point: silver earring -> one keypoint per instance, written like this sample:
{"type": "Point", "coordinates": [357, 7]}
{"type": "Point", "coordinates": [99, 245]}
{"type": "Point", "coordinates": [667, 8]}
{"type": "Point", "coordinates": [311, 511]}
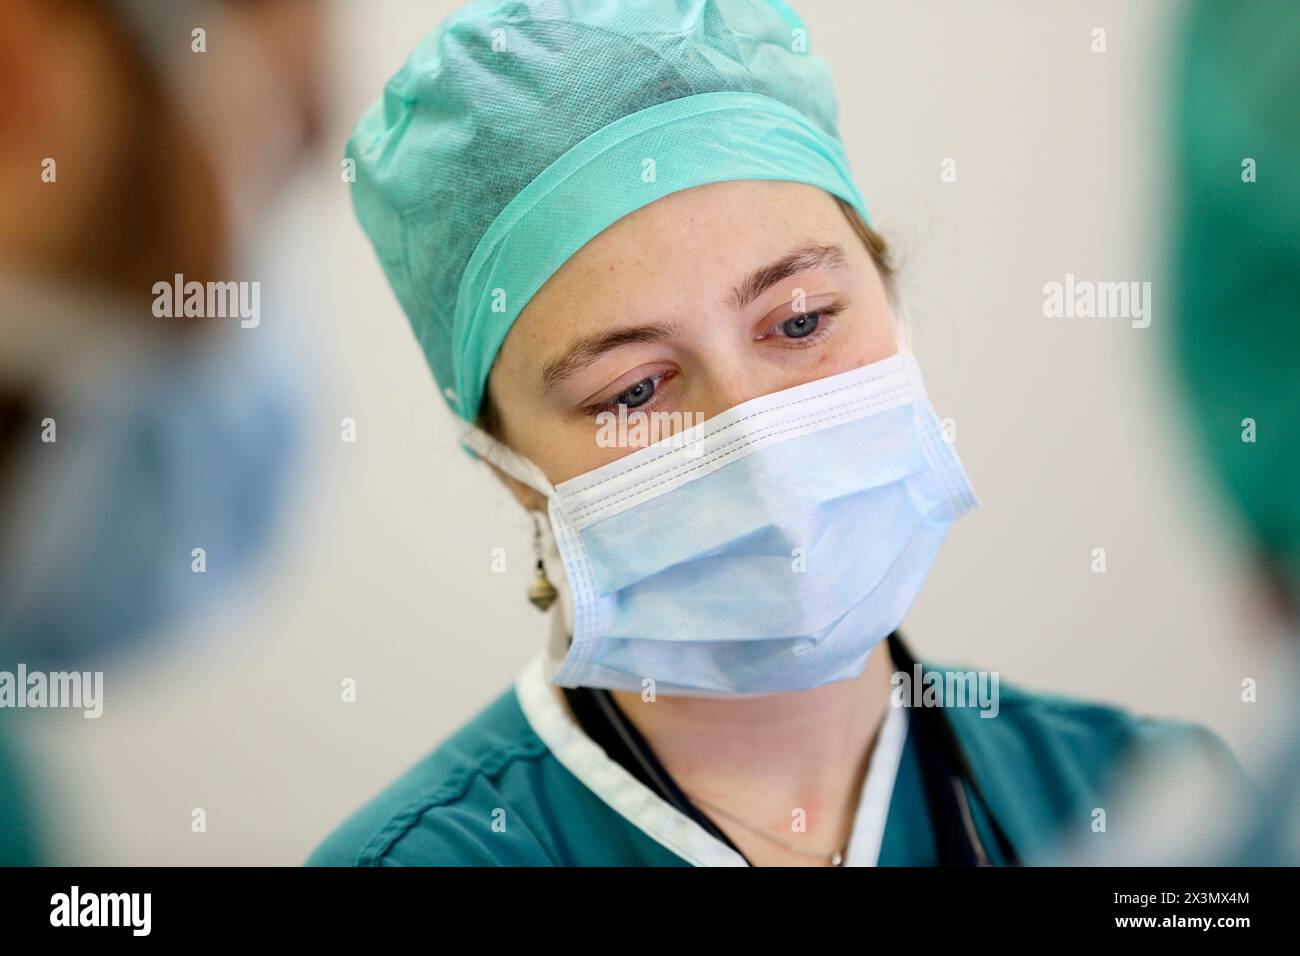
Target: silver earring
{"type": "Point", "coordinates": [541, 593]}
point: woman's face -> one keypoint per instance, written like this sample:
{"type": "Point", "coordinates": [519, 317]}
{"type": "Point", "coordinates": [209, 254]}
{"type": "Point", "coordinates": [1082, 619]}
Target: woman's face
{"type": "Point", "coordinates": [702, 300]}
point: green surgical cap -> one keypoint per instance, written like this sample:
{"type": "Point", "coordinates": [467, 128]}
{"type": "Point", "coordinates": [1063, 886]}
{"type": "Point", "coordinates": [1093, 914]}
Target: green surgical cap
{"type": "Point", "coordinates": [518, 131]}
{"type": "Point", "coordinates": [1236, 265]}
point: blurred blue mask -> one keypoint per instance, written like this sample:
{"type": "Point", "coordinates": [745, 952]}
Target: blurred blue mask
{"type": "Point", "coordinates": [159, 487]}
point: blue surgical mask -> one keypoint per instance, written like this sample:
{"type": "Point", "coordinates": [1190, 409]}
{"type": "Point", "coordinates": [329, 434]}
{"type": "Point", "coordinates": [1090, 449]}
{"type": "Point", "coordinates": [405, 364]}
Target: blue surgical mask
{"type": "Point", "coordinates": [169, 466]}
{"type": "Point", "coordinates": [769, 549]}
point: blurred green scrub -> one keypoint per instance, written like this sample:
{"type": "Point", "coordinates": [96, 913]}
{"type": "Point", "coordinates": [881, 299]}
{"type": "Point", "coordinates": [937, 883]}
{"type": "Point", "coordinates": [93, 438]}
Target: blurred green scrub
{"type": "Point", "coordinates": [1236, 335]}
{"type": "Point", "coordinates": [19, 842]}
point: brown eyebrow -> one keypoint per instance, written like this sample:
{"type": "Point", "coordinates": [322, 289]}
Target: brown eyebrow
{"type": "Point", "coordinates": [591, 347]}
{"type": "Point", "coordinates": [587, 349]}
{"type": "Point", "coordinates": [811, 256]}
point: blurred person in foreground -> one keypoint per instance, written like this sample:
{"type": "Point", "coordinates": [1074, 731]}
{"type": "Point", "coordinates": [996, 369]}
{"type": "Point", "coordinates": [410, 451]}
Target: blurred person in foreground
{"type": "Point", "coordinates": [145, 436]}
{"type": "Point", "coordinates": [1234, 345]}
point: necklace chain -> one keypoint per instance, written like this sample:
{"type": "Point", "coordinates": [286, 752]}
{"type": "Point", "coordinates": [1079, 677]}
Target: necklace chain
{"type": "Point", "coordinates": [835, 859]}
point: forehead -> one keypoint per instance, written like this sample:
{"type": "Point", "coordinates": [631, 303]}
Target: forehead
{"type": "Point", "coordinates": [692, 245]}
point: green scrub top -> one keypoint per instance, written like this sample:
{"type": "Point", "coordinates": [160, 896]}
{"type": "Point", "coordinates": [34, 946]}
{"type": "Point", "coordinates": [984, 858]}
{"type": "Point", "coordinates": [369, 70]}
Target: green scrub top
{"type": "Point", "coordinates": [497, 794]}
{"type": "Point", "coordinates": [19, 825]}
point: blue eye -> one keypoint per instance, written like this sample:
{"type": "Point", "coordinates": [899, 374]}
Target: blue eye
{"type": "Point", "coordinates": [801, 325]}
{"type": "Point", "coordinates": [638, 394]}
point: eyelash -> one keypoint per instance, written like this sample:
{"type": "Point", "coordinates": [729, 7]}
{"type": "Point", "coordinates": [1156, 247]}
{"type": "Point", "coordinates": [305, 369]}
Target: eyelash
{"type": "Point", "coordinates": [807, 341]}
{"type": "Point", "coordinates": [613, 404]}
{"type": "Point", "coordinates": [822, 330]}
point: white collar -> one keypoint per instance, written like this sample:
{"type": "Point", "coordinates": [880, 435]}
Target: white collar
{"type": "Point", "coordinates": [545, 710]}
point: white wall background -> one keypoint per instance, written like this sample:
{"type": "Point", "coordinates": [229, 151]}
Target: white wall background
{"type": "Point", "coordinates": [1064, 427]}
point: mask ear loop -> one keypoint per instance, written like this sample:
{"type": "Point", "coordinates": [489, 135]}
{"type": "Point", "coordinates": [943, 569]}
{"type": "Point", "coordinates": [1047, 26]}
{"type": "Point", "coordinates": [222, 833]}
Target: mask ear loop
{"type": "Point", "coordinates": [483, 445]}
{"type": "Point", "coordinates": [511, 462]}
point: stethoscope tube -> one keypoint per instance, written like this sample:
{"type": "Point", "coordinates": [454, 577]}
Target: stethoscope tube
{"type": "Point", "coordinates": [945, 776]}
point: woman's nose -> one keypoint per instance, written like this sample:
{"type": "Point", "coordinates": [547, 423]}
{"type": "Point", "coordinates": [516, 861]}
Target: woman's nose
{"type": "Point", "coordinates": [732, 385]}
